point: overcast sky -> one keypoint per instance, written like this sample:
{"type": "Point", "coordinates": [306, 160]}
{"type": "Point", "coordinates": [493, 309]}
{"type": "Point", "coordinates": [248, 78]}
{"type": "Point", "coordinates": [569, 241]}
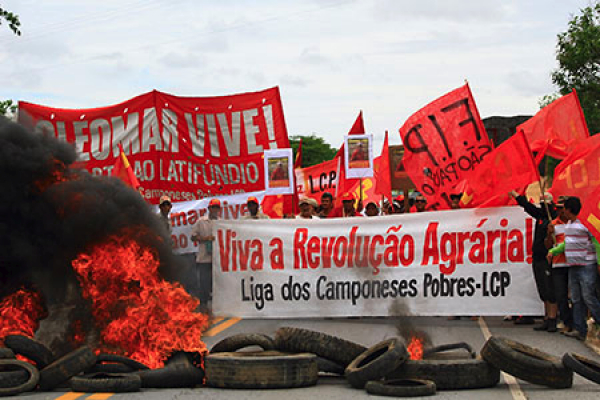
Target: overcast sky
{"type": "Point", "coordinates": [330, 58]}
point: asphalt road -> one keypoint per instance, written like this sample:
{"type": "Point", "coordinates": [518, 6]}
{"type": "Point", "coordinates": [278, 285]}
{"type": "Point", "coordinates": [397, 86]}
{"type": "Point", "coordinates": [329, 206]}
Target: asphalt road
{"type": "Point", "coordinates": [369, 331]}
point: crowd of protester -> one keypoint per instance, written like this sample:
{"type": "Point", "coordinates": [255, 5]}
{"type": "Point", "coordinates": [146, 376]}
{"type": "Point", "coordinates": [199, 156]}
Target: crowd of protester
{"type": "Point", "coordinates": [565, 266]}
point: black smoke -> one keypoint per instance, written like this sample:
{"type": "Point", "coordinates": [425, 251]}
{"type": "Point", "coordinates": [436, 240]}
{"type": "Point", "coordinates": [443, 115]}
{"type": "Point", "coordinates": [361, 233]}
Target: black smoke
{"type": "Point", "coordinates": [50, 212]}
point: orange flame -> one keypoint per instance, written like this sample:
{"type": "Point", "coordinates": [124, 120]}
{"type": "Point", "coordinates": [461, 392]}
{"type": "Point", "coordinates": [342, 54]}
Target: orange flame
{"type": "Point", "coordinates": [415, 348]}
{"type": "Point", "coordinates": [57, 174]}
{"type": "Point", "coordinates": [140, 314]}
{"type": "Point", "coordinates": [20, 313]}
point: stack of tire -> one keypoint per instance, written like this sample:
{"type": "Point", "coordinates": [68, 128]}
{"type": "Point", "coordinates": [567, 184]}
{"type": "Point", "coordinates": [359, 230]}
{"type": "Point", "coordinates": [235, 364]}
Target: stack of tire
{"type": "Point", "coordinates": [535, 366]}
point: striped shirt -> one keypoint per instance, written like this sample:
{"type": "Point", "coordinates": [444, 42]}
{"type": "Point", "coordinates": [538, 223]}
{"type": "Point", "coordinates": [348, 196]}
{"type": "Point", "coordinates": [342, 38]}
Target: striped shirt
{"type": "Point", "coordinates": [579, 248]}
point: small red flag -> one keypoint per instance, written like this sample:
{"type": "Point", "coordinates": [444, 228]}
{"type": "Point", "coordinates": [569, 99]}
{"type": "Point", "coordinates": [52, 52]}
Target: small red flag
{"type": "Point", "coordinates": [507, 167]}
{"type": "Point", "coordinates": [556, 128]}
{"type": "Point", "coordinates": [122, 170]}
{"type": "Point", "coordinates": [383, 183]}
{"type": "Point", "coordinates": [298, 160]}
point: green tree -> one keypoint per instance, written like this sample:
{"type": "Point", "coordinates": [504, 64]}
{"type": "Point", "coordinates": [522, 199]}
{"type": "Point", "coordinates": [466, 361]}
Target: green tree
{"type": "Point", "coordinates": [7, 107]}
{"type": "Point", "coordinates": [314, 149]}
{"type": "Point", "coordinates": [578, 56]}
{"type": "Point", "coordinates": [12, 19]}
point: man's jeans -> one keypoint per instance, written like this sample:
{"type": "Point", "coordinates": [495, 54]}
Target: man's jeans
{"type": "Point", "coordinates": [582, 282]}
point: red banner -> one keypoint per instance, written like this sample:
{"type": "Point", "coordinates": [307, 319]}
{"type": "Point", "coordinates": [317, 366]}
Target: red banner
{"type": "Point", "coordinates": [508, 167]}
{"type": "Point", "coordinates": [443, 142]}
{"type": "Point", "coordinates": [579, 173]}
{"type": "Point", "coordinates": [556, 128]}
{"type": "Point", "coordinates": [184, 147]}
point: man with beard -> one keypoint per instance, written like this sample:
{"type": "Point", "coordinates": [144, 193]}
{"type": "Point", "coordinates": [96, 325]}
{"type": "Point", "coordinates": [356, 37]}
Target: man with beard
{"type": "Point", "coordinates": [326, 205]}
{"type": "Point", "coordinates": [347, 209]}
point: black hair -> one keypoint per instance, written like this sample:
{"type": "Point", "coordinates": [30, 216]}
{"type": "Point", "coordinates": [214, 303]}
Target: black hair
{"type": "Point", "coordinates": [327, 195]}
{"type": "Point", "coordinates": [573, 204]}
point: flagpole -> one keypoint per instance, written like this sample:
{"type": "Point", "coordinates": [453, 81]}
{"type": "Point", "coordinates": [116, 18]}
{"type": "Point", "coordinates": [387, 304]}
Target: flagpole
{"type": "Point", "coordinates": [361, 190]}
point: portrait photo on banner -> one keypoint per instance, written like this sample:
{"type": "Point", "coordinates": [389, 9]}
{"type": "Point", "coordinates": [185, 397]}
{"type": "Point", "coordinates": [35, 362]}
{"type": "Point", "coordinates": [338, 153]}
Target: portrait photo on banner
{"type": "Point", "coordinates": [358, 153]}
{"type": "Point", "coordinates": [279, 171]}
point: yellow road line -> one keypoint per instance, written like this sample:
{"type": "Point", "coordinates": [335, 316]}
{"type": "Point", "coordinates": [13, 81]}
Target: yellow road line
{"type": "Point", "coordinates": [100, 396]}
{"type": "Point", "coordinates": [221, 327]}
{"type": "Point", "coordinates": [513, 385]}
{"type": "Point", "coordinates": [70, 396]}
{"type": "Point", "coordinates": [216, 321]}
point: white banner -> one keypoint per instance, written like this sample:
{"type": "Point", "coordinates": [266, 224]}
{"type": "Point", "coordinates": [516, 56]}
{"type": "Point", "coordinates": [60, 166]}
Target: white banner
{"type": "Point", "coordinates": [459, 262]}
{"type": "Point", "coordinates": [185, 214]}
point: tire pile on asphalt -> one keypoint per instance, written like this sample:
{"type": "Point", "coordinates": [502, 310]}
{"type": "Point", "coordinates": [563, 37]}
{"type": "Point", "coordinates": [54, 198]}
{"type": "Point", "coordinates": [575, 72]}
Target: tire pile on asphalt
{"type": "Point", "coordinates": [294, 358]}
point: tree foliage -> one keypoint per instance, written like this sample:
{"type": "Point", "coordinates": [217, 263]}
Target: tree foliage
{"type": "Point", "coordinates": [12, 19]}
{"type": "Point", "coordinates": [7, 107]}
{"type": "Point", "coordinates": [314, 149]}
{"type": "Point", "coordinates": [578, 56]}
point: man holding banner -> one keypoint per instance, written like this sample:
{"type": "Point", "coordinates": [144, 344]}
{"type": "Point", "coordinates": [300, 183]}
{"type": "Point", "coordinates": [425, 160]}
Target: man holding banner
{"type": "Point", "coordinates": [203, 233]}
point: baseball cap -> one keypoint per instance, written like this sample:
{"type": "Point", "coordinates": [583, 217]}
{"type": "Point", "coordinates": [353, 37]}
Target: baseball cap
{"type": "Point", "coordinates": [308, 200]}
{"type": "Point", "coordinates": [164, 199]}
{"type": "Point", "coordinates": [214, 203]}
{"type": "Point", "coordinates": [347, 197]}
{"type": "Point", "coordinates": [252, 199]}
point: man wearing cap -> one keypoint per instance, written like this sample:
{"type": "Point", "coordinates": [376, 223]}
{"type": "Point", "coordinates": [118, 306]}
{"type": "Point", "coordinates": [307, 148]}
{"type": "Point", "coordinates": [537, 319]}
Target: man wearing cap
{"type": "Point", "coordinates": [165, 206]}
{"type": "Point", "coordinates": [347, 209]}
{"type": "Point", "coordinates": [307, 207]}
{"type": "Point", "coordinates": [202, 233]}
{"type": "Point", "coordinates": [254, 209]}
{"type": "Point", "coordinates": [542, 271]}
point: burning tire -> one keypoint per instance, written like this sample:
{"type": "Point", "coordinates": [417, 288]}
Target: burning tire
{"type": "Point", "coordinates": [6, 353]}
{"type": "Point", "coordinates": [527, 363]}
{"type": "Point", "coordinates": [450, 374]}
{"type": "Point", "coordinates": [236, 342]}
{"type": "Point", "coordinates": [30, 348]}
{"type": "Point", "coordinates": [585, 367]}
{"type": "Point", "coordinates": [446, 351]}
{"type": "Point", "coordinates": [114, 358]}
{"type": "Point", "coordinates": [298, 340]}
{"type": "Point", "coordinates": [401, 388]}
{"type": "Point", "coordinates": [12, 382]}
{"type": "Point", "coordinates": [103, 382]}
{"type": "Point", "coordinates": [66, 367]}
{"type": "Point", "coordinates": [376, 362]}
{"type": "Point", "coordinates": [261, 370]}
{"type": "Point", "coordinates": [179, 372]}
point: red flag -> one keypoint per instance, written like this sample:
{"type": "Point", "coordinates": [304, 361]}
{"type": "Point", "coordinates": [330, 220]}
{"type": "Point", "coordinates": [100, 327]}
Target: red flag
{"type": "Point", "coordinates": [298, 160]}
{"type": "Point", "coordinates": [507, 167]}
{"type": "Point", "coordinates": [345, 185]}
{"type": "Point", "coordinates": [122, 170]}
{"type": "Point", "coordinates": [556, 128]}
{"type": "Point", "coordinates": [590, 212]}
{"type": "Point", "coordinates": [359, 126]}
{"type": "Point", "coordinates": [383, 182]}
{"type": "Point", "coordinates": [579, 173]}
{"type": "Point", "coordinates": [443, 142]}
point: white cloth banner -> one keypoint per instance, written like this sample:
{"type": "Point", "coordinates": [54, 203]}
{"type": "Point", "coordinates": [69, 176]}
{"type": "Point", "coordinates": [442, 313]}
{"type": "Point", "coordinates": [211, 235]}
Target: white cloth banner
{"type": "Point", "coordinates": [459, 262]}
{"type": "Point", "coordinates": [185, 214]}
